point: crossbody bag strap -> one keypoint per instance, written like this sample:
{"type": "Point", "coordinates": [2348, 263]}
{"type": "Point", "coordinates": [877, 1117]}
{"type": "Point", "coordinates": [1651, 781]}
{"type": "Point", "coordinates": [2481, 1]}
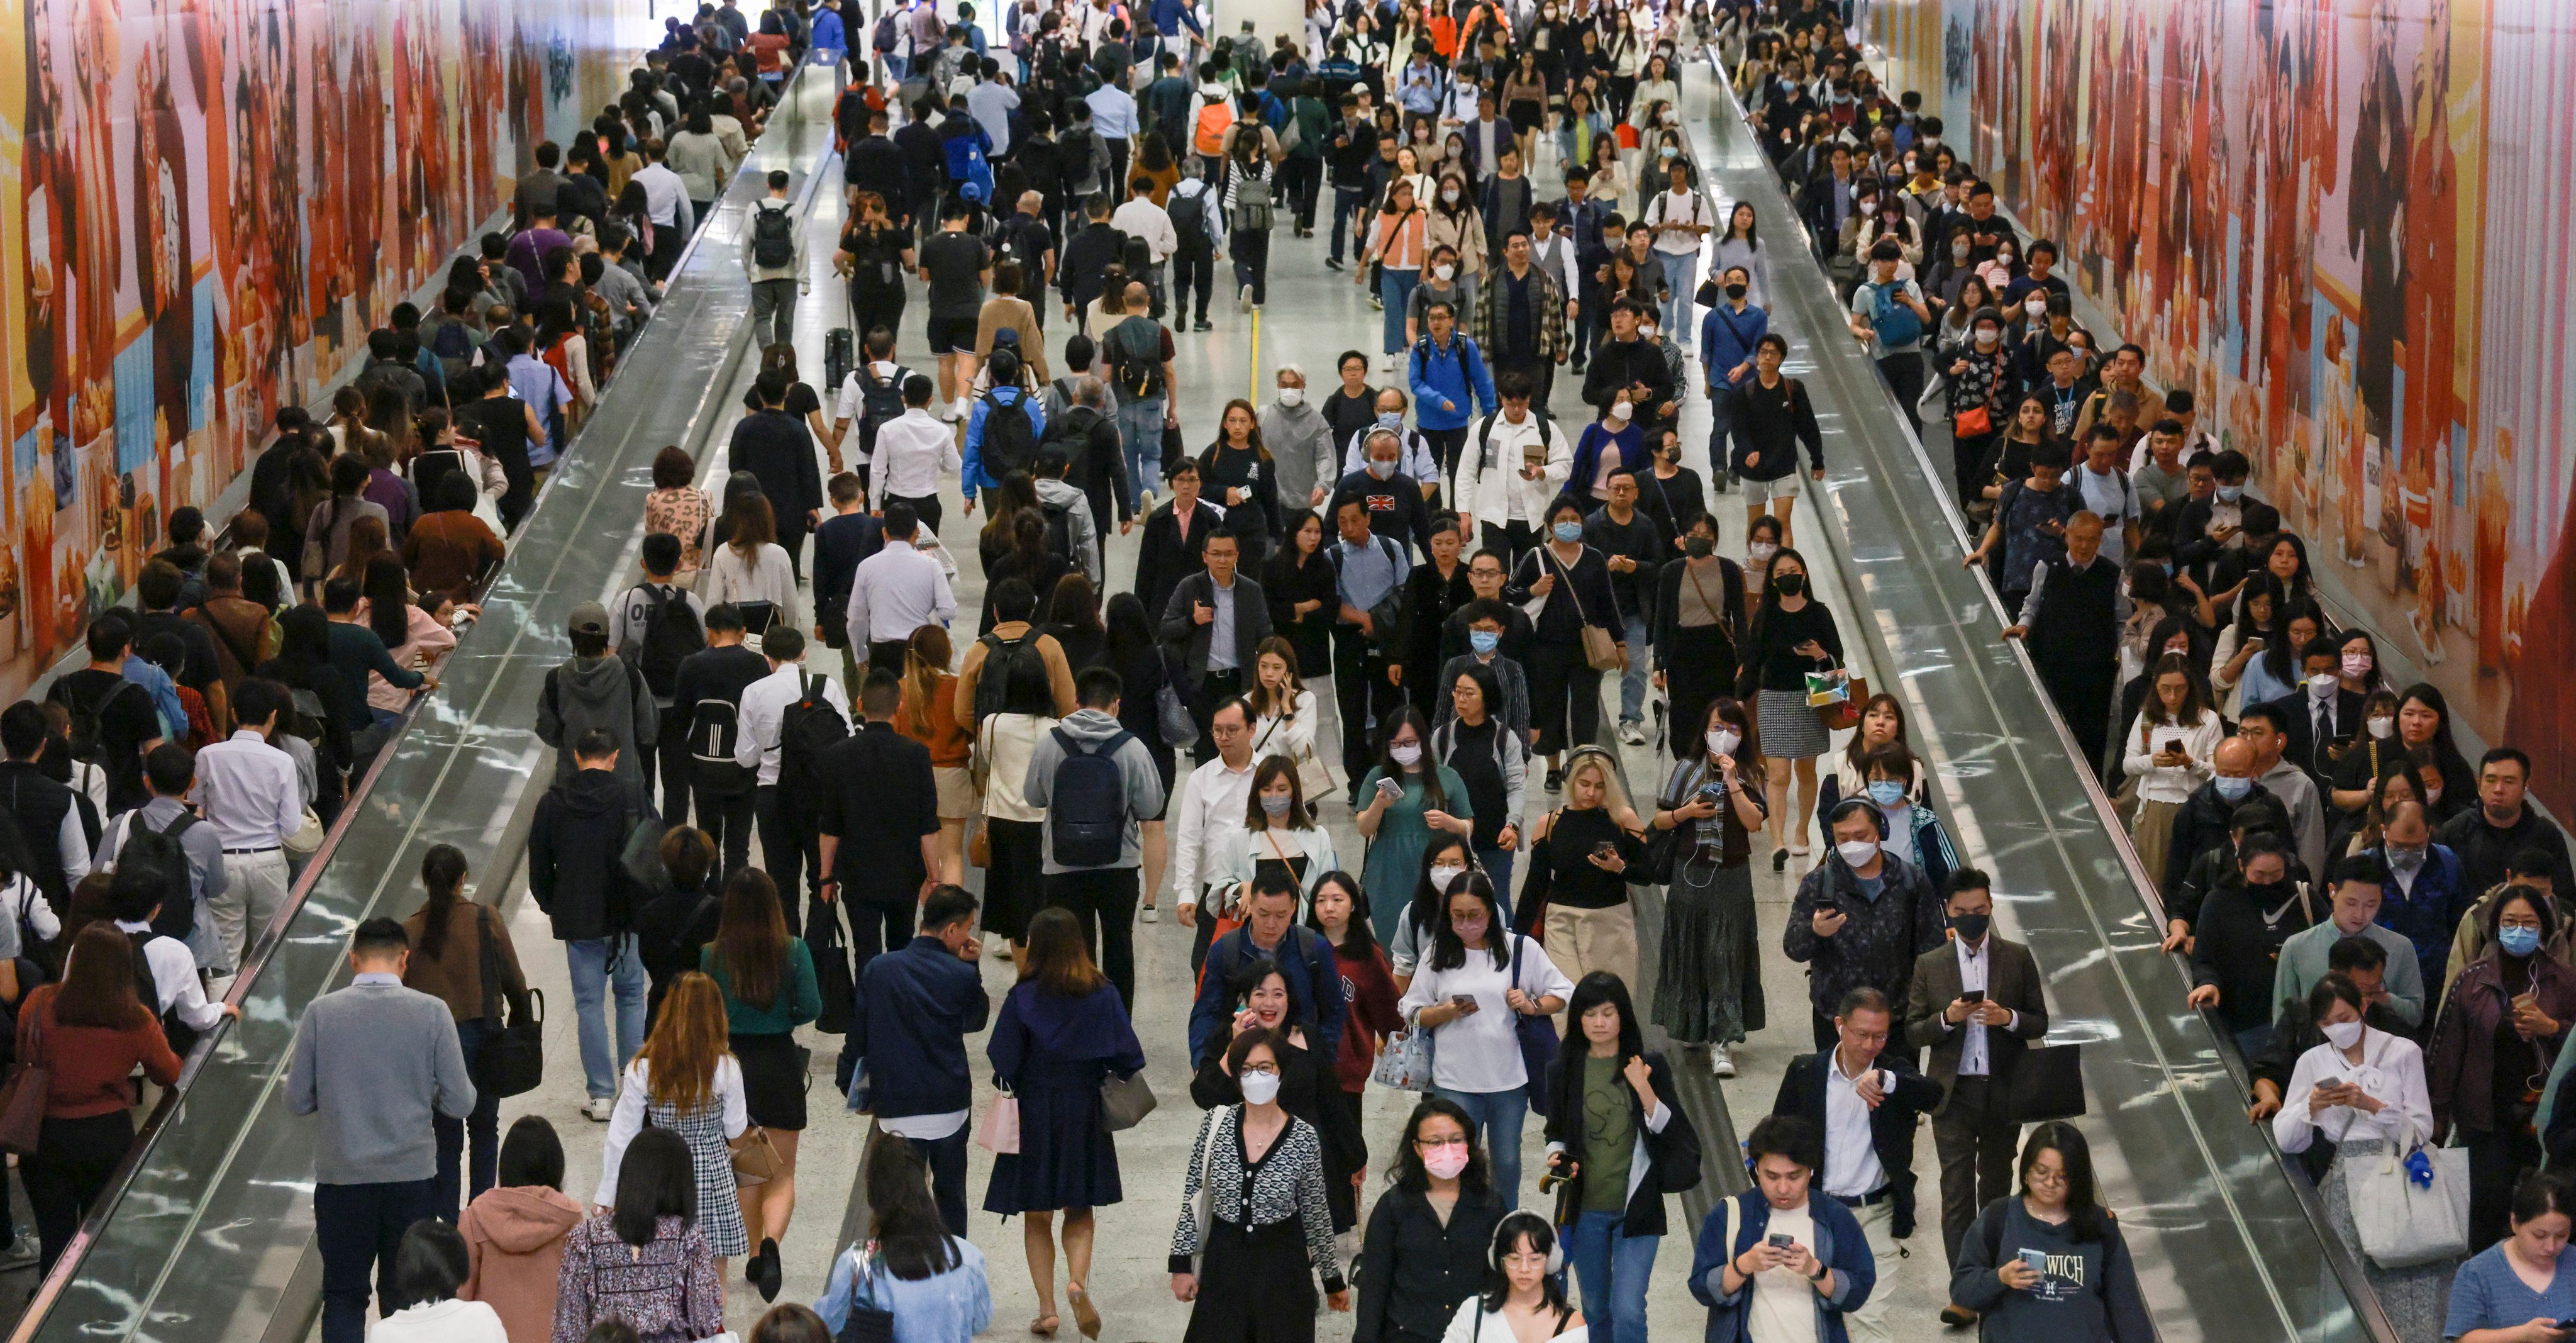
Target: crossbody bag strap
{"type": "Point", "coordinates": [1570, 589]}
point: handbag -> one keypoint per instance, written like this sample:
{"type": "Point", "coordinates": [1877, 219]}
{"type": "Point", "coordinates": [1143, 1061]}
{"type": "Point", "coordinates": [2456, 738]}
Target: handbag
{"type": "Point", "coordinates": [1125, 1101]}
{"type": "Point", "coordinates": [1600, 646]}
{"type": "Point", "coordinates": [1314, 778]}
{"type": "Point", "coordinates": [307, 839]}
{"type": "Point", "coordinates": [1537, 1035]}
{"type": "Point", "coordinates": [999, 1134]}
{"type": "Point", "coordinates": [868, 1322]}
{"type": "Point", "coordinates": [22, 1098]}
{"type": "Point", "coordinates": [2047, 1084]}
{"type": "Point", "coordinates": [979, 850]}
{"type": "Point", "coordinates": [1974, 422]}
{"type": "Point", "coordinates": [513, 1058]}
{"type": "Point", "coordinates": [1836, 696]}
{"type": "Point", "coordinates": [832, 980]}
{"type": "Point", "coordinates": [755, 1158]}
{"type": "Point", "coordinates": [1405, 1062]}
{"type": "Point", "coordinates": [1172, 713]}
{"type": "Point", "coordinates": [2403, 1223]}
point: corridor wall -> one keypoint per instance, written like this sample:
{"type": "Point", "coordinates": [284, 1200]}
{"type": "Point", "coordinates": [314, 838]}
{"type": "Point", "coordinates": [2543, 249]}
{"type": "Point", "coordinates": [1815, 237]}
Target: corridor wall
{"type": "Point", "coordinates": [2345, 225]}
{"type": "Point", "coordinates": [205, 205]}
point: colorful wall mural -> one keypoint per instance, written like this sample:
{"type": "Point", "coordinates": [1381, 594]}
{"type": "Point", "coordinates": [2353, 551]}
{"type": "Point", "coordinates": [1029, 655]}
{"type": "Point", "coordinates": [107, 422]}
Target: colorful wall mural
{"type": "Point", "coordinates": [2345, 224]}
{"type": "Point", "coordinates": [205, 205]}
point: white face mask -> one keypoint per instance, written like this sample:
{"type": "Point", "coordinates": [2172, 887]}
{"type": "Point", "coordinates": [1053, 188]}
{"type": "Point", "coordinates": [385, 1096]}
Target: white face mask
{"type": "Point", "coordinates": [2321, 685]}
{"type": "Point", "coordinates": [1761, 551]}
{"type": "Point", "coordinates": [1645, 333]}
{"type": "Point", "coordinates": [1444, 873]}
{"type": "Point", "coordinates": [1260, 1088]}
{"type": "Point", "coordinates": [1619, 411]}
{"type": "Point", "coordinates": [1444, 272]}
{"type": "Point", "coordinates": [1987, 335]}
{"type": "Point", "coordinates": [1292, 397]}
{"type": "Point", "coordinates": [1449, 195]}
{"type": "Point", "coordinates": [1857, 852]}
{"type": "Point", "coordinates": [1722, 742]}
{"type": "Point", "coordinates": [2343, 1034]}
{"type": "Point", "coordinates": [2383, 728]}
{"type": "Point", "coordinates": [2037, 307]}
{"type": "Point", "coordinates": [1407, 755]}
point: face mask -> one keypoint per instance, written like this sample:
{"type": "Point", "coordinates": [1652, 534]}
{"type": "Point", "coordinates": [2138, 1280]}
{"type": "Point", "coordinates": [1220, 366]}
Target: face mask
{"type": "Point", "coordinates": [2406, 857]}
{"type": "Point", "coordinates": [1869, 207]}
{"type": "Point", "coordinates": [1444, 873]}
{"type": "Point", "coordinates": [1790, 585]}
{"type": "Point", "coordinates": [1667, 151]}
{"type": "Point", "coordinates": [1469, 930]}
{"type": "Point", "coordinates": [2356, 665]}
{"type": "Point", "coordinates": [2037, 307]}
{"type": "Point", "coordinates": [1886, 792]}
{"type": "Point", "coordinates": [1761, 551]}
{"type": "Point", "coordinates": [2383, 728]}
{"type": "Point", "coordinates": [1276, 804]}
{"type": "Point", "coordinates": [1445, 1162]}
{"type": "Point", "coordinates": [1445, 273]}
{"type": "Point", "coordinates": [2232, 788]}
{"type": "Point", "coordinates": [1958, 251]}
{"type": "Point", "coordinates": [1260, 1088]}
{"type": "Point", "coordinates": [1699, 547]}
{"type": "Point", "coordinates": [1619, 409]}
{"type": "Point", "coordinates": [2518, 941]}
{"type": "Point", "coordinates": [1723, 742]}
{"type": "Point", "coordinates": [2231, 493]}
{"type": "Point", "coordinates": [1735, 291]}
{"type": "Point", "coordinates": [1972, 927]}
{"type": "Point", "coordinates": [1484, 641]}
{"type": "Point", "coordinates": [1987, 335]}
{"type": "Point", "coordinates": [1380, 470]}
{"type": "Point", "coordinates": [2321, 685]}
{"type": "Point", "coordinates": [1450, 196]}
{"type": "Point", "coordinates": [2003, 257]}
{"type": "Point", "coordinates": [1407, 755]}
{"type": "Point", "coordinates": [1292, 397]}
{"type": "Point", "coordinates": [1857, 852]}
{"type": "Point", "coordinates": [2343, 1034]}
{"type": "Point", "coordinates": [1568, 532]}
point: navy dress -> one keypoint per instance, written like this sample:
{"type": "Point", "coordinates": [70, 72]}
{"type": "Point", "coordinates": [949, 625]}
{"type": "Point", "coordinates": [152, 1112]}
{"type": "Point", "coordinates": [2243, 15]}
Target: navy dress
{"type": "Point", "coordinates": [1052, 1053]}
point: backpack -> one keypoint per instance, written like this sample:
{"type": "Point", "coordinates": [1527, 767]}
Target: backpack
{"type": "Point", "coordinates": [159, 851]}
{"type": "Point", "coordinates": [885, 37]}
{"type": "Point", "coordinates": [807, 729]}
{"type": "Point", "coordinates": [671, 632]}
{"type": "Point", "coordinates": [1059, 536]}
{"type": "Point", "coordinates": [1214, 119]}
{"type": "Point", "coordinates": [1138, 373]}
{"type": "Point", "coordinates": [453, 344]}
{"type": "Point", "coordinates": [1001, 657]}
{"type": "Point", "coordinates": [1087, 807]}
{"type": "Point", "coordinates": [1010, 439]}
{"type": "Point", "coordinates": [713, 730]}
{"type": "Point", "coordinates": [88, 737]}
{"type": "Point", "coordinates": [1072, 429]}
{"type": "Point", "coordinates": [880, 399]}
{"type": "Point", "coordinates": [773, 238]}
{"type": "Point", "coordinates": [1250, 212]}
{"type": "Point", "coordinates": [1894, 323]}
{"type": "Point", "coordinates": [147, 989]}
{"type": "Point", "coordinates": [1189, 220]}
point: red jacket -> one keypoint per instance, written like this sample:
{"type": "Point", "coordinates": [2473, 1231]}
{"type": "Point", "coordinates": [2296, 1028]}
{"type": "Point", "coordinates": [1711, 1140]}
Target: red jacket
{"type": "Point", "coordinates": [91, 1065]}
{"type": "Point", "coordinates": [1369, 985]}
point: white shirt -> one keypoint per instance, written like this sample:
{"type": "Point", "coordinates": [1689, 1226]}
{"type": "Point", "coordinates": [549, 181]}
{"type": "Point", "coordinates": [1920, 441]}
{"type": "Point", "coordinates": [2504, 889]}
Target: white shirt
{"type": "Point", "coordinates": [853, 400]}
{"type": "Point", "coordinates": [1975, 1059]}
{"type": "Point", "coordinates": [628, 1119]}
{"type": "Point", "coordinates": [666, 199]}
{"type": "Point", "coordinates": [1142, 218]}
{"type": "Point", "coordinates": [1211, 807]}
{"type": "Point", "coordinates": [1291, 734]}
{"type": "Point", "coordinates": [764, 710]}
{"type": "Point", "coordinates": [1851, 1164]}
{"type": "Point", "coordinates": [250, 792]}
{"type": "Point", "coordinates": [898, 590]}
{"type": "Point", "coordinates": [1783, 1309]}
{"type": "Point", "coordinates": [1480, 1051]}
{"type": "Point", "coordinates": [1677, 207]}
{"type": "Point", "coordinates": [174, 978]}
{"type": "Point", "coordinates": [925, 1128]}
{"type": "Point", "coordinates": [913, 452]}
{"type": "Point", "coordinates": [449, 1321]}
{"type": "Point", "coordinates": [2391, 1072]}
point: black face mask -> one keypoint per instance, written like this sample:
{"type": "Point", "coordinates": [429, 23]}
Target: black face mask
{"type": "Point", "coordinates": [1790, 585]}
{"type": "Point", "coordinates": [1971, 927]}
{"type": "Point", "coordinates": [1699, 547]}
{"type": "Point", "coordinates": [1735, 291]}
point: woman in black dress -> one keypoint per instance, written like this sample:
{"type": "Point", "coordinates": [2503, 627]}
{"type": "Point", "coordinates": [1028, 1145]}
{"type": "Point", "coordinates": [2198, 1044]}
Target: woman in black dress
{"type": "Point", "coordinates": [1574, 581]}
{"type": "Point", "coordinates": [1708, 980]}
{"type": "Point", "coordinates": [1302, 590]}
{"type": "Point", "coordinates": [876, 255]}
{"type": "Point", "coordinates": [1699, 617]}
{"type": "Point", "coordinates": [1250, 1258]}
{"type": "Point", "coordinates": [1061, 1032]}
{"type": "Point", "coordinates": [1432, 593]}
{"type": "Point", "coordinates": [1236, 474]}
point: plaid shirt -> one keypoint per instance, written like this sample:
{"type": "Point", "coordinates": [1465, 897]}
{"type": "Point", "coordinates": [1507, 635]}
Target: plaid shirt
{"type": "Point", "coordinates": [1547, 315]}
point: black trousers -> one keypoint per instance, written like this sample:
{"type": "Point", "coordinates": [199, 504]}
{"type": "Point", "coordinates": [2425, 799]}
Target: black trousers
{"type": "Point", "coordinates": [886, 653]}
{"type": "Point", "coordinates": [669, 762]}
{"type": "Point", "coordinates": [1303, 178]}
{"type": "Point", "coordinates": [1215, 689]}
{"type": "Point", "coordinates": [1103, 901]}
{"type": "Point", "coordinates": [1510, 540]}
{"type": "Point", "coordinates": [1542, 376]}
{"type": "Point", "coordinates": [946, 1158]}
{"type": "Point", "coordinates": [1361, 690]}
{"type": "Point", "coordinates": [1565, 697]}
{"type": "Point", "coordinates": [1968, 465]}
{"type": "Point", "coordinates": [74, 1160]}
{"type": "Point", "coordinates": [1445, 446]}
{"type": "Point", "coordinates": [1117, 169]}
{"type": "Point", "coordinates": [871, 309]}
{"type": "Point", "coordinates": [1975, 1138]}
{"type": "Point", "coordinates": [927, 508]}
{"type": "Point", "coordinates": [878, 925]}
{"type": "Point", "coordinates": [792, 528]}
{"type": "Point", "coordinates": [1252, 262]}
{"type": "Point", "coordinates": [469, 1149]}
{"type": "Point", "coordinates": [1188, 269]}
{"type": "Point", "coordinates": [787, 850]}
{"type": "Point", "coordinates": [358, 1227]}
{"type": "Point", "coordinates": [2082, 695]}
{"type": "Point", "coordinates": [1905, 375]}
{"type": "Point", "coordinates": [2496, 1162]}
{"type": "Point", "coordinates": [727, 819]}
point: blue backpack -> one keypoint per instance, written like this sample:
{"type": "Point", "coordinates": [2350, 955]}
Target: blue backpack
{"type": "Point", "coordinates": [1894, 322]}
{"type": "Point", "coordinates": [1087, 808]}
{"type": "Point", "coordinates": [967, 161]}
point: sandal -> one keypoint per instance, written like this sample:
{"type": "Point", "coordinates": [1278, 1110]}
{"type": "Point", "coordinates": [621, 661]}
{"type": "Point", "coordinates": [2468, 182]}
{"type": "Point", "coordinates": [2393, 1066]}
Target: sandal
{"type": "Point", "coordinates": [1086, 1317]}
{"type": "Point", "coordinates": [1045, 1326]}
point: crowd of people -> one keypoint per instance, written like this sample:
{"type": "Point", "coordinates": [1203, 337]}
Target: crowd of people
{"type": "Point", "coordinates": [1481, 565]}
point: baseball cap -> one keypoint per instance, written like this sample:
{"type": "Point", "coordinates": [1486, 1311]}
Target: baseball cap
{"type": "Point", "coordinates": [589, 618]}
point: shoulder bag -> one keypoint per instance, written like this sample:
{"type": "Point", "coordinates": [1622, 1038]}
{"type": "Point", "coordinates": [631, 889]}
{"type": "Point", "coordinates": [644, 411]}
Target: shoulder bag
{"type": "Point", "coordinates": [512, 1061]}
{"type": "Point", "coordinates": [1537, 1035]}
{"type": "Point", "coordinates": [755, 1158]}
{"type": "Point", "coordinates": [1405, 1062]}
{"type": "Point", "coordinates": [22, 1098]}
{"type": "Point", "coordinates": [1837, 698]}
{"type": "Point", "coordinates": [2413, 1208]}
{"type": "Point", "coordinates": [1600, 647]}
{"type": "Point", "coordinates": [1125, 1101]}
{"type": "Point", "coordinates": [1314, 778]}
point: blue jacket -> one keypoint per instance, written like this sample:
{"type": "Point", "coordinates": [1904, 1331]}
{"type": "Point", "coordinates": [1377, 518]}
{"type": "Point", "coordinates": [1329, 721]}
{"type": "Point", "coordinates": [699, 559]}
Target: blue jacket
{"type": "Point", "coordinates": [828, 34]}
{"type": "Point", "coordinates": [973, 474]}
{"type": "Point", "coordinates": [909, 1022]}
{"type": "Point", "coordinates": [1307, 964]}
{"type": "Point", "coordinates": [2431, 917]}
{"type": "Point", "coordinates": [1587, 453]}
{"type": "Point", "coordinates": [1450, 375]}
{"type": "Point", "coordinates": [1839, 1244]}
{"type": "Point", "coordinates": [1727, 338]}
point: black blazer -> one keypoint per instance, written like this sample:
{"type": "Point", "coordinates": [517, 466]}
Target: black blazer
{"type": "Point", "coordinates": [1414, 1272]}
{"type": "Point", "coordinates": [1190, 638]}
{"type": "Point", "coordinates": [2303, 750]}
{"type": "Point", "coordinates": [1891, 1125]}
{"type": "Point", "coordinates": [1163, 559]}
{"type": "Point", "coordinates": [779, 452]}
{"type": "Point", "coordinates": [1672, 1156]}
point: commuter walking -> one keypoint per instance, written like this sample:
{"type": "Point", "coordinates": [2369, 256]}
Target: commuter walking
{"type": "Point", "coordinates": [576, 876]}
{"type": "Point", "coordinates": [2170, 749]}
{"type": "Point", "coordinates": [1248, 1272]}
{"type": "Point", "coordinates": [1523, 1296]}
{"type": "Point", "coordinates": [685, 1081]}
{"type": "Point", "coordinates": [768, 986]}
{"type": "Point", "coordinates": [515, 1232]}
{"type": "Point", "coordinates": [455, 941]}
{"type": "Point", "coordinates": [1698, 623]}
{"type": "Point", "coordinates": [1708, 976]}
{"type": "Point", "coordinates": [1097, 786]}
{"type": "Point", "coordinates": [2492, 1297]}
{"type": "Point", "coordinates": [1860, 919]}
{"type": "Point", "coordinates": [1431, 1233]}
{"type": "Point", "coordinates": [708, 691]}
{"type": "Point", "coordinates": [2084, 1287]}
{"type": "Point", "coordinates": [927, 711]}
{"type": "Point", "coordinates": [1410, 797]}
{"type": "Point", "coordinates": [1014, 685]}
{"type": "Point", "coordinates": [1214, 622]}
{"type": "Point", "coordinates": [1209, 812]}
{"type": "Point", "coordinates": [1471, 991]}
{"type": "Point", "coordinates": [1491, 757]}
{"type": "Point", "coordinates": [751, 571]}
{"type": "Point", "coordinates": [645, 1261]}
{"type": "Point", "coordinates": [377, 1062]}
{"type": "Point", "coordinates": [789, 705]}
{"type": "Point", "coordinates": [593, 690]}
{"type": "Point", "coordinates": [898, 590]}
{"type": "Point", "coordinates": [430, 1267]}
{"type": "Point", "coordinates": [2071, 624]}
{"type": "Point", "coordinates": [2493, 1033]}
{"type": "Point", "coordinates": [1618, 1138]}
{"type": "Point", "coordinates": [254, 801]}
{"type": "Point", "coordinates": [913, 1265]}
{"type": "Point", "coordinates": [1062, 1031]}
{"type": "Point", "coordinates": [1793, 635]}
{"type": "Point", "coordinates": [89, 1031]}
{"type": "Point", "coordinates": [773, 254]}
{"type": "Point", "coordinates": [1583, 856]}
{"type": "Point", "coordinates": [1571, 584]}
{"type": "Point", "coordinates": [878, 821]}
{"type": "Point", "coordinates": [1782, 1262]}
{"type": "Point", "coordinates": [1368, 570]}
{"type": "Point", "coordinates": [906, 1050]}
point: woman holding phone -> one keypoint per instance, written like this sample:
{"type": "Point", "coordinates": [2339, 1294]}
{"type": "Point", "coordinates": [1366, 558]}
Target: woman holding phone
{"type": "Point", "coordinates": [2519, 1289]}
{"type": "Point", "coordinates": [2170, 749]}
{"type": "Point", "coordinates": [1470, 993]}
{"type": "Point", "coordinates": [2072, 1279]}
{"type": "Point", "coordinates": [1405, 798]}
{"type": "Point", "coordinates": [1708, 979]}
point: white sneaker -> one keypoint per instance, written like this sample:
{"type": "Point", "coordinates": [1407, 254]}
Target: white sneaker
{"type": "Point", "coordinates": [1243, 301]}
{"type": "Point", "coordinates": [599, 1108]}
{"type": "Point", "coordinates": [1633, 733]}
{"type": "Point", "coordinates": [26, 1249]}
{"type": "Point", "coordinates": [1719, 1063]}
{"type": "Point", "coordinates": [1152, 915]}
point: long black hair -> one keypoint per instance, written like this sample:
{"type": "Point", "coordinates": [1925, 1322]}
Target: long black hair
{"type": "Point", "coordinates": [1518, 1226]}
{"type": "Point", "coordinates": [1434, 798]}
{"type": "Point", "coordinates": [2083, 1205]}
{"type": "Point", "coordinates": [442, 874]}
{"type": "Point", "coordinates": [1406, 1171]}
{"type": "Point", "coordinates": [905, 1221]}
{"type": "Point", "coordinates": [1429, 900]}
{"type": "Point", "coordinates": [1130, 630]}
{"type": "Point", "coordinates": [1761, 622]}
{"type": "Point", "coordinates": [655, 1179]}
{"type": "Point", "coordinates": [1361, 932]}
{"type": "Point", "coordinates": [1590, 992]}
{"type": "Point", "coordinates": [1448, 950]}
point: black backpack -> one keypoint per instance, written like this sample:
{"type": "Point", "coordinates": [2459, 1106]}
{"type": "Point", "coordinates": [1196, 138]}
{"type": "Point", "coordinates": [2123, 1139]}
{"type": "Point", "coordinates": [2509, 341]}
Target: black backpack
{"type": "Point", "coordinates": [713, 730]}
{"type": "Point", "coordinates": [880, 400]}
{"type": "Point", "coordinates": [808, 728]}
{"type": "Point", "coordinates": [1138, 373]}
{"type": "Point", "coordinates": [1087, 807]}
{"type": "Point", "coordinates": [1059, 536]}
{"type": "Point", "coordinates": [1189, 219]}
{"type": "Point", "coordinates": [181, 1036]}
{"type": "Point", "coordinates": [1001, 656]}
{"type": "Point", "coordinates": [671, 632]}
{"type": "Point", "coordinates": [1010, 439]}
{"type": "Point", "coordinates": [454, 346]}
{"type": "Point", "coordinates": [88, 736]}
{"type": "Point", "coordinates": [773, 237]}
{"type": "Point", "coordinates": [159, 851]}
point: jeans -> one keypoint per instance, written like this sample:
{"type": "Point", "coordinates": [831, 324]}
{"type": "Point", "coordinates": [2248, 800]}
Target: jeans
{"type": "Point", "coordinates": [1613, 1271]}
{"type": "Point", "coordinates": [1140, 432]}
{"type": "Point", "coordinates": [1681, 273]}
{"type": "Point", "coordinates": [1498, 865]}
{"type": "Point", "coordinates": [598, 965]}
{"type": "Point", "coordinates": [1103, 901]}
{"type": "Point", "coordinates": [946, 1159]}
{"type": "Point", "coordinates": [1395, 289]}
{"type": "Point", "coordinates": [357, 1227]}
{"type": "Point", "coordinates": [726, 819]}
{"type": "Point", "coordinates": [1497, 1116]}
{"type": "Point", "coordinates": [773, 311]}
{"type": "Point", "coordinates": [1349, 204]}
{"type": "Point", "coordinates": [1632, 682]}
{"type": "Point", "coordinates": [482, 1128]}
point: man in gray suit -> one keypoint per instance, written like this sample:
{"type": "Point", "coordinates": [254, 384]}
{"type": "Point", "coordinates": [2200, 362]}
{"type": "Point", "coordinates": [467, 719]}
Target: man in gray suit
{"type": "Point", "coordinates": [1214, 624]}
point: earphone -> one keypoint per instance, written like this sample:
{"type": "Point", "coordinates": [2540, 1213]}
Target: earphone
{"type": "Point", "coordinates": [1852, 804]}
{"type": "Point", "coordinates": [1506, 1232]}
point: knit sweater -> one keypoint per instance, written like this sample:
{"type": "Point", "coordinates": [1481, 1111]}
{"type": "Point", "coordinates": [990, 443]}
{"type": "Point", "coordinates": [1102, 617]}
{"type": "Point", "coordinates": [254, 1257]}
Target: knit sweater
{"type": "Point", "coordinates": [375, 1060]}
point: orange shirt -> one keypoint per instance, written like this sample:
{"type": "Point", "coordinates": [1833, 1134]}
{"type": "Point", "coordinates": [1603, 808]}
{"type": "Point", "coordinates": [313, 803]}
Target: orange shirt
{"type": "Point", "coordinates": [946, 738]}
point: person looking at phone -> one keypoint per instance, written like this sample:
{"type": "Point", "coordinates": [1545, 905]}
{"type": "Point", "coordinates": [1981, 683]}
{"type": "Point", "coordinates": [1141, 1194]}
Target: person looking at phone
{"type": "Point", "coordinates": [2051, 1264]}
{"type": "Point", "coordinates": [1404, 800]}
{"type": "Point", "coordinates": [1616, 1136]}
{"type": "Point", "coordinates": [2521, 1289]}
{"type": "Point", "coordinates": [1583, 856]}
{"type": "Point", "coordinates": [1470, 993]}
{"type": "Point", "coordinates": [2170, 750]}
{"type": "Point", "coordinates": [2029, 526]}
{"type": "Point", "coordinates": [2364, 1091]}
{"type": "Point", "coordinates": [1860, 919]}
{"type": "Point", "coordinates": [2507, 1012]}
{"type": "Point", "coordinates": [1780, 1262]}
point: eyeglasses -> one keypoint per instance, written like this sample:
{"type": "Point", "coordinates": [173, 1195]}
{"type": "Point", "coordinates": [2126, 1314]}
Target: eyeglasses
{"type": "Point", "coordinates": [2043, 1175]}
{"type": "Point", "coordinates": [1429, 1143]}
{"type": "Point", "coordinates": [1265, 1069]}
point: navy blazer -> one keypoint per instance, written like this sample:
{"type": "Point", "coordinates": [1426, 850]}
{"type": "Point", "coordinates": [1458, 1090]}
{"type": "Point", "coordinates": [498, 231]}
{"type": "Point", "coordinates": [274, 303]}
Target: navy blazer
{"type": "Point", "coordinates": [909, 1022]}
{"type": "Point", "coordinates": [1891, 1125]}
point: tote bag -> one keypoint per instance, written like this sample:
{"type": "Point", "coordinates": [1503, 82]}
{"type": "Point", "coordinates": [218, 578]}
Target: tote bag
{"type": "Point", "coordinates": [2403, 1223]}
{"type": "Point", "coordinates": [1600, 647]}
{"type": "Point", "coordinates": [999, 1134]}
{"type": "Point", "coordinates": [1405, 1063]}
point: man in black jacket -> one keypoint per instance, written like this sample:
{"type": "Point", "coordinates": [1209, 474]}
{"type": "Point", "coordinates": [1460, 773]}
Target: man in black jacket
{"type": "Point", "coordinates": [1976, 1004]}
{"type": "Point", "coordinates": [710, 687]}
{"type": "Point", "coordinates": [1393, 500]}
{"type": "Point", "coordinates": [1176, 537]}
{"type": "Point", "coordinates": [574, 846]}
{"type": "Point", "coordinates": [272, 492]}
{"type": "Point", "coordinates": [877, 824]}
{"type": "Point", "coordinates": [774, 447]}
{"type": "Point", "coordinates": [1087, 257]}
{"type": "Point", "coordinates": [58, 825]}
{"type": "Point", "coordinates": [925, 163]}
{"type": "Point", "coordinates": [2487, 836]}
{"type": "Point", "coordinates": [873, 163]}
{"type": "Point", "coordinates": [1866, 1104]}
{"type": "Point", "coordinates": [908, 1027]}
{"type": "Point", "coordinates": [2071, 624]}
{"type": "Point", "coordinates": [1625, 362]}
{"type": "Point", "coordinates": [1636, 544]}
{"type": "Point", "coordinates": [2203, 824]}
{"type": "Point", "coordinates": [1352, 156]}
{"type": "Point", "coordinates": [1215, 621]}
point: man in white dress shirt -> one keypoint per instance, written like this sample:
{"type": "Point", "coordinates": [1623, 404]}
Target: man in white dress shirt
{"type": "Point", "coordinates": [787, 834]}
{"type": "Point", "coordinates": [254, 798]}
{"type": "Point", "coordinates": [1140, 217]}
{"type": "Point", "coordinates": [666, 205]}
{"type": "Point", "coordinates": [896, 591]}
{"type": "Point", "coordinates": [1211, 808]}
{"type": "Point", "coordinates": [912, 452]}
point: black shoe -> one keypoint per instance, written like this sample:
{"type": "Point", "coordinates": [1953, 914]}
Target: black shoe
{"type": "Point", "coordinates": [1332, 263]}
{"type": "Point", "coordinates": [1203, 325]}
{"type": "Point", "coordinates": [764, 1270]}
{"type": "Point", "coordinates": [1556, 781]}
{"type": "Point", "coordinates": [1955, 1316]}
{"type": "Point", "coordinates": [1779, 860]}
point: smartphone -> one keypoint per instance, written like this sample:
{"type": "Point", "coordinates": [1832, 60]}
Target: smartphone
{"type": "Point", "coordinates": [1390, 787]}
{"type": "Point", "coordinates": [1605, 849]}
{"type": "Point", "coordinates": [2036, 1261]}
{"type": "Point", "coordinates": [1972, 995]}
{"type": "Point", "coordinates": [1713, 790]}
{"type": "Point", "coordinates": [2172, 744]}
{"type": "Point", "coordinates": [1783, 1242]}
{"type": "Point", "coordinates": [1464, 1002]}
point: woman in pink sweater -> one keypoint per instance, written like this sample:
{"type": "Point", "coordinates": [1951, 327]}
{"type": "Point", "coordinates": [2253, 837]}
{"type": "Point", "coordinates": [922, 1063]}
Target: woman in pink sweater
{"type": "Point", "coordinates": [515, 1233]}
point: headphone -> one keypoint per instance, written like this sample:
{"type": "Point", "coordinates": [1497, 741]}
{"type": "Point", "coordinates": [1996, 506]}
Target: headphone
{"type": "Point", "coordinates": [1850, 805]}
{"type": "Point", "coordinates": [1504, 1234]}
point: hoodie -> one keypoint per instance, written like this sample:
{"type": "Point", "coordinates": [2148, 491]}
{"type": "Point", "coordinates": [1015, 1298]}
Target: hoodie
{"type": "Point", "coordinates": [601, 692]}
{"type": "Point", "coordinates": [514, 1237]}
{"type": "Point", "coordinates": [1054, 492]}
{"type": "Point", "coordinates": [1088, 728]}
{"type": "Point", "coordinates": [574, 847]}
{"type": "Point", "coordinates": [1300, 440]}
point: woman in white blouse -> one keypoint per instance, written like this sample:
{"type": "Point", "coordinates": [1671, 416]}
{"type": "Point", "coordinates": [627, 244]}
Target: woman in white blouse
{"type": "Point", "coordinates": [751, 566]}
{"type": "Point", "coordinates": [2168, 753]}
{"type": "Point", "coordinates": [1279, 834]}
{"type": "Point", "coordinates": [687, 1080]}
{"type": "Point", "coordinates": [2363, 1090]}
{"type": "Point", "coordinates": [1284, 714]}
{"type": "Point", "coordinates": [1522, 1300]}
{"type": "Point", "coordinates": [1470, 993]}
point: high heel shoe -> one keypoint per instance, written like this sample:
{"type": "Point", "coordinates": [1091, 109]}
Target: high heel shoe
{"type": "Point", "coordinates": [1086, 1317]}
{"type": "Point", "coordinates": [1779, 860]}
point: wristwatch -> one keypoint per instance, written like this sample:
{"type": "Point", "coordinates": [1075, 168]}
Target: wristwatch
{"type": "Point", "coordinates": [1822, 1272]}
